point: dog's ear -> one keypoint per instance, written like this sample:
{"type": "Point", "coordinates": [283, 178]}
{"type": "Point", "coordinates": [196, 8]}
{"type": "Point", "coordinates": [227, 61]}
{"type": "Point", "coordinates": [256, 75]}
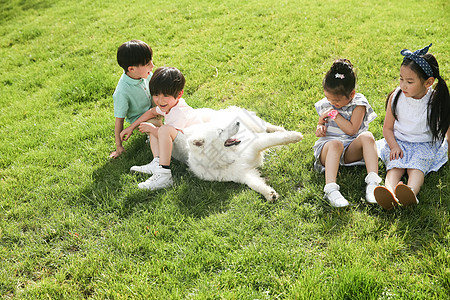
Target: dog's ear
{"type": "Point", "coordinates": [198, 142]}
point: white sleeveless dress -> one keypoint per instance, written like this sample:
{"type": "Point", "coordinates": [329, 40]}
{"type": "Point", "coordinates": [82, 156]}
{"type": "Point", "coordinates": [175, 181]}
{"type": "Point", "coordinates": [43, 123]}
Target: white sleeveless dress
{"type": "Point", "coordinates": [414, 138]}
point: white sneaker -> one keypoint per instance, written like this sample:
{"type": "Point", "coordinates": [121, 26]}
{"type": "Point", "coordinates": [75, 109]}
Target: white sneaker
{"type": "Point", "coordinates": [162, 178]}
{"type": "Point", "coordinates": [373, 180]}
{"type": "Point", "coordinates": [333, 195]}
{"type": "Point", "coordinates": [148, 168]}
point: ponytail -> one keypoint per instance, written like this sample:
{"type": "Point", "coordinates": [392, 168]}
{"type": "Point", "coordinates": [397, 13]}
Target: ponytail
{"type": "Point", "coordinates": [394, 102]}
{"type": "Point", "coordinates": [439, 110]}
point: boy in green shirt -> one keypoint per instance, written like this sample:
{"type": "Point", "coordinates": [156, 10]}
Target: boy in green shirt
{"type": "Point", "coordinates": [132, 96]}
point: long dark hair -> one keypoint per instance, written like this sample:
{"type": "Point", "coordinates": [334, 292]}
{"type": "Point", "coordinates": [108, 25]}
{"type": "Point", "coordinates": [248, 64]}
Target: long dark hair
{"type": "Point", "coordinates": [438, 109]}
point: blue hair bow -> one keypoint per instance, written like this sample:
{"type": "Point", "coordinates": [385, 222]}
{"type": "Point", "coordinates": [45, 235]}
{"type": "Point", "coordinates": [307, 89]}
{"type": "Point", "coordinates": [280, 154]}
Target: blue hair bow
{"type": "Point", "coordinates": [417, 57]}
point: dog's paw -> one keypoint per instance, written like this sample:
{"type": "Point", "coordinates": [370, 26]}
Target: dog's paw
{"type": "Point", "coordinates": [272, 196]}
{"type": "Point", "coordinates": [295, 136]}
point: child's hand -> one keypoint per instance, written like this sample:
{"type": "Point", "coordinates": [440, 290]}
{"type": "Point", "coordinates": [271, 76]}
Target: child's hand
{"type": "Point", "coordinates": [321, 130]}
{"type": "Point", "coordinates": [145, 127]}
{"type": "Point", "coordinates": [117, 153]}
{"type": "Point", "coordinates": [324, 117]}
{"type": "Point", "coordinates": [126, 133]}
{"type": "Point", "coordinates": [396, 153]}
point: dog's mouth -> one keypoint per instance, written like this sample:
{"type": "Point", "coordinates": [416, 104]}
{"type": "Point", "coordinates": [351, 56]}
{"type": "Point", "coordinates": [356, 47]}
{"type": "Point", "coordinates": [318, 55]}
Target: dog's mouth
{"type": "Point", "coordinates": [231, 142]}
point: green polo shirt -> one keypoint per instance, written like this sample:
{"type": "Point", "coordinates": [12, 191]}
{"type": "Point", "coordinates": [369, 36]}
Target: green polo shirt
{"type": "Point", "coordinates": [131, 98]}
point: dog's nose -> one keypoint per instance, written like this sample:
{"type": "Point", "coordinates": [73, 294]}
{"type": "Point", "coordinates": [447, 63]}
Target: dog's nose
{"type": "Point", "coordinates": [237, 123]}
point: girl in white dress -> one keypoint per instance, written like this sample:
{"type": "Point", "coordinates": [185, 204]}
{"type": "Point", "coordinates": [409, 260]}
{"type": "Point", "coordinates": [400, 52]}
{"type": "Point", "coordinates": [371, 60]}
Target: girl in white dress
{"type": "Point", "coordinates": [415, 127]}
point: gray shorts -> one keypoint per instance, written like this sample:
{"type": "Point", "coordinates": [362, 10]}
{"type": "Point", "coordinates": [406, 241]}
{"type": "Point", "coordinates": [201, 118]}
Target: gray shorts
{"type": "Point", "coordinates": [318, 149]}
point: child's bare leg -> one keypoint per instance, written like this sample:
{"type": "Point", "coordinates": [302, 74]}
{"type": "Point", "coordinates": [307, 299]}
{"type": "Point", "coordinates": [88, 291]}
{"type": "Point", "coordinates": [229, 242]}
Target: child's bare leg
{"type": "Point", "coordinates": [150, 167]}
{"type": "Point", "coordinates": [166, 135]}
{"type": "Point", "coordinates": [415, 179]}
{"type": "Point", "coordinates": [393, 177]}
{"type": "Point", "coordinates": [154, 145]}
{"type": "Point", "coordinates": [330, 157]}
{"type": "Point", "coordinates": [162, 175]}
{"type": "Point", "coordinates": [151, 129]}
{"type": "Point", "coordinates": [363, 147]}
{"type": "Point", "coordinates": [157, 123]}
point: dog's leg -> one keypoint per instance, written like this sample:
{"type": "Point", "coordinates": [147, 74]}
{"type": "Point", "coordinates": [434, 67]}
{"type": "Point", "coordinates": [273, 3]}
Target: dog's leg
{"type": "Point", "coordinates": [273, 128]}
{"type": "Point", "coordinates": [256, 183]}
{"type": "Point", "coordinates": [267, 140]}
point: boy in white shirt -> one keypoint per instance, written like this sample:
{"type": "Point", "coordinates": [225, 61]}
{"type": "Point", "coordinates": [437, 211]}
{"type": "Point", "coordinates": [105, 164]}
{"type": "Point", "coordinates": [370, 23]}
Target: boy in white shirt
{"type": "Point", "coordinates": [166, 87]}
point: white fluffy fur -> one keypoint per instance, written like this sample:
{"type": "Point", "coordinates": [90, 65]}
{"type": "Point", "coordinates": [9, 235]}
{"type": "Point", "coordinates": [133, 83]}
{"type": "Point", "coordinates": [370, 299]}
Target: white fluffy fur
{"type": "Point", "coordinates": [208, 157]}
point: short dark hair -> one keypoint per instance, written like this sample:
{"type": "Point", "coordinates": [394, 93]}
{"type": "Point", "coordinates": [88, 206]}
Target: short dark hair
{"type": "Point", "coordinates": [168, 81]}
{"type": "Point", "coordinates": [134, 53]}
{"type": "Point", "coordinates": [341, 78]}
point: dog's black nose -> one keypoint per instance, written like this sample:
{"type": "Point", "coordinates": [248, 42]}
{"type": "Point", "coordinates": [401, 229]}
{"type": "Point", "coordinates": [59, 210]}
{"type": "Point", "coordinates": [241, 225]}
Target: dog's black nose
{"type": "Point", "coordinates": [237, 123]}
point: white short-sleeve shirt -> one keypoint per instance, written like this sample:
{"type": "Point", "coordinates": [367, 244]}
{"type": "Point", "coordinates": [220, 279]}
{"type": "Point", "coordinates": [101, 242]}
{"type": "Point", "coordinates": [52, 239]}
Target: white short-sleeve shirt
{"type": "Point", "coordinates": [180, 116]}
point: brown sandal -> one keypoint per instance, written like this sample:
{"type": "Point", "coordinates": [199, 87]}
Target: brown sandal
{"type": "Point", "coordinates": [405, 195]}
{"type": "Point", "coordinates": [385, 198]}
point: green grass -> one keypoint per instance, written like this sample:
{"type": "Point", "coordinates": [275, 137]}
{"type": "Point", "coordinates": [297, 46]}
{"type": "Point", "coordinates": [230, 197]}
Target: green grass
{"type": "Point", "coordinates": [73, 223]}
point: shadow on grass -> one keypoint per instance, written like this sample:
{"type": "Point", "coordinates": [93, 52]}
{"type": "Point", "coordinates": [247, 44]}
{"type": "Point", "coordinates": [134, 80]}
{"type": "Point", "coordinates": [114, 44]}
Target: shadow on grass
{"type": "Point", "coordinates": [419, 225]}
{"type": "Point", "coordinates": [114, 188]}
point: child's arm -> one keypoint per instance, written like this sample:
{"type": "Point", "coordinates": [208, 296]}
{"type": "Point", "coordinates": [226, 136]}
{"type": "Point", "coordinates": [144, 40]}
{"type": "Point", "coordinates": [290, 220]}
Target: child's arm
{"type": "Point", "coordinates": [127, 132]}
{"type": "Point", "coordinates": [351, 127]}
{"type": "Point", "coordinates": [321, 130]}
{"type": "Point", "coordinates": [118, 127]}
{"type": "Point", "coordinates": [146, 127]}
{"type": "Point", "coordinates": [388, 133]}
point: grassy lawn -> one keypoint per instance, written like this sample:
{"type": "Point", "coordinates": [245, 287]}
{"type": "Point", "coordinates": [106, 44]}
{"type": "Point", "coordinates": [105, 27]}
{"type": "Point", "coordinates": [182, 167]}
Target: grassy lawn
{"type": "Point", "coordinates": [73, 223]}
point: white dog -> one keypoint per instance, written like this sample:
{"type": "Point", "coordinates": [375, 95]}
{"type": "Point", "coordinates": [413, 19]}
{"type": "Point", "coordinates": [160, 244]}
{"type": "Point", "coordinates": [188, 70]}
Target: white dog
{"type": "Point", "coordinates": [229, 146]}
